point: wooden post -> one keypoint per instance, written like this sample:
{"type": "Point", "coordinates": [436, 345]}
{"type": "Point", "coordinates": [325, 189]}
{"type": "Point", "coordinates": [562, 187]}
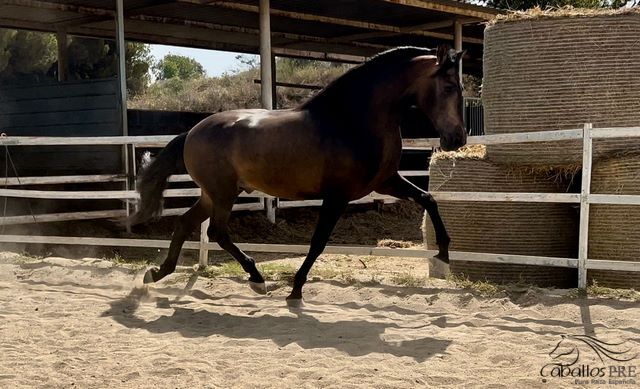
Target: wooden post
{"type": "Point", "coordinates": [266, 86]}
{"type": "Point", "coordinates": [587, 157]}
{"type": "Point", "coordinates": [122, 90]}
{"type": "Point", "coordinates": [134, 172]}
{"type": "Point", "coordinates": [274, 83]}
{"type": "Point", "coordinates": [265, 56]}
{"type": "Point", "coordinates": [457, 37]}
{"type": "Point", "coordinates": [203, 256]}
{"type": "Point", "coordinates": [63, 55]}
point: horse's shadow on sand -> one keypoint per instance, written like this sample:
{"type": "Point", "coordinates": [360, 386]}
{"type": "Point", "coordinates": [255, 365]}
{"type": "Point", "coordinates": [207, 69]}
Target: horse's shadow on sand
{"type": "Point", "coordinates": [353, 337]}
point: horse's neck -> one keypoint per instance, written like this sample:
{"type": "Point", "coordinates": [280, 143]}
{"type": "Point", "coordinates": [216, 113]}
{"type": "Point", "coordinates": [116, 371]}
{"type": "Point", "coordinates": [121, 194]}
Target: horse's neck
{"type": "Point", "coordinates": [377, 107]}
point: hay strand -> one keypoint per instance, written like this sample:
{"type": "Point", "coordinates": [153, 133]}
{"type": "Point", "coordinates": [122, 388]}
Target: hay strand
{"type": "Point", "coordinates": [537, 13]}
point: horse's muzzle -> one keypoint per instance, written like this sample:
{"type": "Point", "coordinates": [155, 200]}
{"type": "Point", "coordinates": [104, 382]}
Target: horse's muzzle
{"type": "Point", "coordinates": [454, 140]}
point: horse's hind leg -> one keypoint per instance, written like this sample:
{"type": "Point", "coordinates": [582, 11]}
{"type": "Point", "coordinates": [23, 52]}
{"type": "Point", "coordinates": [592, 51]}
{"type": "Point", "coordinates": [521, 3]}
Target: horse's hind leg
{"type": "Point", "coordinates": [219, 232]}
{"type": "Point", "coordinates": [184, 227]}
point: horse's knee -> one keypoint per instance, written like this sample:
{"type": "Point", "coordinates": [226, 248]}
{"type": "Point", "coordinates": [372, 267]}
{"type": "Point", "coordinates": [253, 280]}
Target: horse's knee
{"type": "Point", "coordinates": [220, 237]}
{"type": "Point", "coordinates": [427, 200]}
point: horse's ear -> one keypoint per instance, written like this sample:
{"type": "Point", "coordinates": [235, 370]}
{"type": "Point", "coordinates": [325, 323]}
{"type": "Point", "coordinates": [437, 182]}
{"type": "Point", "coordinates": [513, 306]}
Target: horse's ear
{"type": "Point", "coordinates": [443, 54]}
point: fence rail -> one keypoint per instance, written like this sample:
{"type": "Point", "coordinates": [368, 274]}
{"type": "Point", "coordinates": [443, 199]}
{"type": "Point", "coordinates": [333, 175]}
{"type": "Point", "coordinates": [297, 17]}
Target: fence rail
{"type": "Point", "coordinates": [584, 198]}
{"type": "Point", "coordinates": [150, 141]}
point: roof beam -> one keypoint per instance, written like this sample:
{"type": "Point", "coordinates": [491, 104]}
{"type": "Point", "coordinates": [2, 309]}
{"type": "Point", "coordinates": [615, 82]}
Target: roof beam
{"type": "Point", "coordinates": [410, 29]}
{"type": "Point", "coordinates": [133, 11]}
{"type": "Point", "coordinates": [451, 7]}
{"type": "Point", "coordinates": [283, 36]}
{"type": "Point", "coordinates": [282, 39]}
{"type": "Point", "coordinates": [59, 7]}
{"type": "Point", "coordinates": [437, 25]}
{"type": "Point", "coordinates": [201, 39]}
{"type": "Point", "coordinates": [331, 20]}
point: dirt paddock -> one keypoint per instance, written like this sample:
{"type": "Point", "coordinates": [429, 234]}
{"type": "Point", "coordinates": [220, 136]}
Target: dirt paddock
{"type": "Point", "coordinates": [367, 322]}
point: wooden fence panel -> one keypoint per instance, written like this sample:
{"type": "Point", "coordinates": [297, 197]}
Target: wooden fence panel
{"type": "Point", "coordinates": [79, 108]}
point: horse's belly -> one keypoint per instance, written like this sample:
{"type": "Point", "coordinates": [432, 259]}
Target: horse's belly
{"type": "Point", "coordinates": [282, 179]}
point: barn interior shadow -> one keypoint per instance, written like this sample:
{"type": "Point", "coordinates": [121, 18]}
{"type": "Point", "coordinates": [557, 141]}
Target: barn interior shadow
{"type": "Point", "coordinates": [353, 337]}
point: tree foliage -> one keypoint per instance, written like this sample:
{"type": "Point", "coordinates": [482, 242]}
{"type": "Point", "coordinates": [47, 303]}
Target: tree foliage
{"type": "Point", "coordinates": [25, 55]}
{"type": "Point", "coordinates": [237, 89]}
{"type": "Point", "coordinates": [182, 67]}
{"type": "Point", "coordinates": [30, 57]}
{"type": "Point", "coordinates": [98, 58]}
{"type": "Point", "coordinates": [138, 62]}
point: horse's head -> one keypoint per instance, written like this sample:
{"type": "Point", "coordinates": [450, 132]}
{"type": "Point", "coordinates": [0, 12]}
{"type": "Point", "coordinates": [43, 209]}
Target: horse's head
{"type": "Point", "coordinates": [566, 351]}
{"type": "Point", "coordinates": [438, 93]}
{"type": "Point", "coordinates": [569, 346]}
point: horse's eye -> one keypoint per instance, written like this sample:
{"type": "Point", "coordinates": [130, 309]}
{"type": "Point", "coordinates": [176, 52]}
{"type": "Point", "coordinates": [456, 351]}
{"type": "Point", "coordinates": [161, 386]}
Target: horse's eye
{"type": "Point", "coordinates": [449, 89]}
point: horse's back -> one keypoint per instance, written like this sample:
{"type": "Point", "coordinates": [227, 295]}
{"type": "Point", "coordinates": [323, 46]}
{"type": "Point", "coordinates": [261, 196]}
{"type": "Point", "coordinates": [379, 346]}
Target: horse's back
{"type": "Point", "coordinates": [285, 153]}
{"type": "Point", "coordinates": [277, 152]}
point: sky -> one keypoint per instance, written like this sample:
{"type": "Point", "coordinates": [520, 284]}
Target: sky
{"type": "Point", "coordinates": [214, 62]}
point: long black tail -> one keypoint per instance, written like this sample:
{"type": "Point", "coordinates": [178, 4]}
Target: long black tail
{"type": "Point", "coordinates": [152, 180]}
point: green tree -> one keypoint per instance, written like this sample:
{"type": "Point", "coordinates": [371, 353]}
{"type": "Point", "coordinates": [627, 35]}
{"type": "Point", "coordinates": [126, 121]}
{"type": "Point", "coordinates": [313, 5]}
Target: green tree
{"type": "Point", "coordinates": [172, 65]}
{"type": "Point", "coordinates": [97, 58]}
{"type": "Point", "coordinates": [25, 55]}
{"type": "Point", "coordinates": [247, 62]}
{"type": "Point", "coordinates": [31, 57]}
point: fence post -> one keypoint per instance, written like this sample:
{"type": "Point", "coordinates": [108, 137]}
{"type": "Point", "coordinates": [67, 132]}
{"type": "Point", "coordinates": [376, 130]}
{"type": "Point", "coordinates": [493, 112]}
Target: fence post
{"type": "Point", "coordinates": [270, 206]}
{"type": "Point", "coordinates": [127, 186]}
{"type": "Point", "coordinates": [587, 158]}
{"type": "Point", "coordinates": [203, 257]}
{"type": "Point", "coordinates": [134, 174]}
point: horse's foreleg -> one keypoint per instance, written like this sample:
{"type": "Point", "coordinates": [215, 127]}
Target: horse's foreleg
{"type": "Point", "coordinates": [329, 214]}
{"type": "Point", "coordinates": [219, 232]}
{"type": "Point", "coordinates": [184, 227]}
{"type": "Point", "coordinates": [399, 187]}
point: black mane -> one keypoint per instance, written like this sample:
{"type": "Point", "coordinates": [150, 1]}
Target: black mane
{"type": "Point", "coordinates": [365, 72]}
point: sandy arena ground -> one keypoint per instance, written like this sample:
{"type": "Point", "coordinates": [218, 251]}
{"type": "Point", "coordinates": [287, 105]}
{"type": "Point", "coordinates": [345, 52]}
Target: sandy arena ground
{"type": "Point", "coordinates": [91, 324]}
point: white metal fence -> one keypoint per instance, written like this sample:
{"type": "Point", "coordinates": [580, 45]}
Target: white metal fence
{"type": "Point", "coordinates": [585, 199]}
{"type": "Point", "coordinates": [474, 115]}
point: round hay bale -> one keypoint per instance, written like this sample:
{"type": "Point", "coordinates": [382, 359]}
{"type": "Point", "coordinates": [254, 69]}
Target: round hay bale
{"type": "Point", "coordinates": [547, 71]}
{"type": "Point", "coordinates": [614, 231]}
{"type": "Point", "coordinates": [502, 227]}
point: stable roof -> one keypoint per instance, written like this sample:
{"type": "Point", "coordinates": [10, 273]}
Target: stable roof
{"type": "Point", "coordinates": [338, 30]}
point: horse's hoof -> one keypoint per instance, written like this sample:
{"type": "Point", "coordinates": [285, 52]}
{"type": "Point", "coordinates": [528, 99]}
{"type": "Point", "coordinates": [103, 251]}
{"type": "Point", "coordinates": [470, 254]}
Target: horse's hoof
{"type": "Point", "coordinates": [438, 268]}
{"type": "Point", "coordinates": [150, 276]}
{"type": "Point", "coordinates": [295, 303]}
{"type": "Point", "coordinates": [443, 256]}
{"type": "Point", "coordinates": [258, 287]}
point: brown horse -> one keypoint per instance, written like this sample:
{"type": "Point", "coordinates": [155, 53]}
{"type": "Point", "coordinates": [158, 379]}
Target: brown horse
{"type": "Point", "coordinates": [339, 146]}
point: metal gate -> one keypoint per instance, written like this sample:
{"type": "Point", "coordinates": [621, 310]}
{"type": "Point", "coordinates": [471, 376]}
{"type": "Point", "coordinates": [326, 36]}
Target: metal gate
{"type": "Point", "coordinates": [474, 115]}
